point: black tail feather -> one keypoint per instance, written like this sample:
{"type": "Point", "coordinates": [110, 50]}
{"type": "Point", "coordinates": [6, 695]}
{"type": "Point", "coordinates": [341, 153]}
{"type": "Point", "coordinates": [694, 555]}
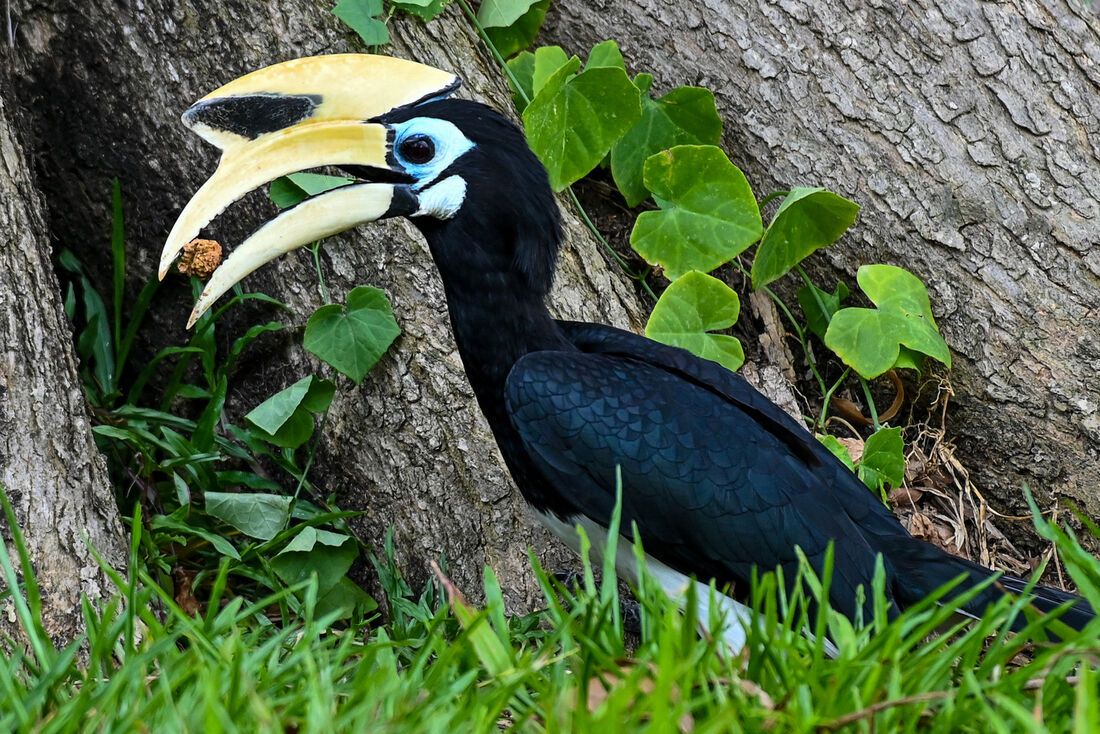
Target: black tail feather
{"type": "Point", "coordinates": [921, 568]}
{"type": "Point", "coordinates": [1045, 599]}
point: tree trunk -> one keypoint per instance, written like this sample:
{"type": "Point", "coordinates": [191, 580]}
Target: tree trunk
{"type": "Point", "coordinates": [101, 90]}
{"type": "Point", "coordinates": [969, 133]}
{"type": "Point", "coordinates": [54, 477]}
{"type": "Point", "coordinates": [962, 132]}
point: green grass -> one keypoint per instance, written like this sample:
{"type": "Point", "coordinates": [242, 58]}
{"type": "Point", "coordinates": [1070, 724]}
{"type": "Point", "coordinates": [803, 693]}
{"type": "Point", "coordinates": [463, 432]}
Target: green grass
{"type": "Point", "coordinates": [432, 666]}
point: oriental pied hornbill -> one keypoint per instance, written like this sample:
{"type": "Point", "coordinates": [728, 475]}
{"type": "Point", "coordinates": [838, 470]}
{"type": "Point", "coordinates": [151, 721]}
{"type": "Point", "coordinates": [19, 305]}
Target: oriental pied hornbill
{"type": "Point", "coordinates": [718, 480]}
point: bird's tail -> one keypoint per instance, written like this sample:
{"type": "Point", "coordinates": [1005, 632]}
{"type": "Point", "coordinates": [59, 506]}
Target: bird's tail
{"type": "Point", "coordinates": [925, 568]}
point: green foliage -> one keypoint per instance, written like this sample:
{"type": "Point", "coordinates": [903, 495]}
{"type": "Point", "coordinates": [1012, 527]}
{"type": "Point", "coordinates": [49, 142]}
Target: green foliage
{"type": "Point", "coordinates": [574, 118]}
{"type": "Point", "coordinates": [837, 449]}
{"type": "Point", "coordinates": [286, 418]}
{"type": "Point", "coordinates": [424, 9]}
{"type": "Point", "coordinates": [520, 34]}
{"type": "Point", "coordinates": [255, 514]}
{"type": "Point", "coordinates": [502, 13]}
{"type": "Point", "coordinates": [869, 340]}
{"type": "Point", "coordinates": [883, 462]}
{"type": "Point", "coordinates": [362, 17]}
{"type": "Point", "coordinates": [149, 665]}
{"type": "Point", "coordinates": [353, 338]}
{"type": "Point", "coordinates": [692, 307]}
{"type": "Point", "coordinates": [293, 189]}
{"type": "Point", "coordinates": [215, 493]}
{"type": "Point", "coordinates": [708, 214]}
{"type": "Point", "coordinates": [684, 116]}
{"type": "Point", "coordinates": [808, 219]}
{"type": "Point", "coordinates": [819, 306]}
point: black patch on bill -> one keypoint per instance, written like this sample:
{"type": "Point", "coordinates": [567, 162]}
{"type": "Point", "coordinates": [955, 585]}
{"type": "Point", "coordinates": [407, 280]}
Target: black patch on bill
{"type": "Point", "coordinates": [252, 115]}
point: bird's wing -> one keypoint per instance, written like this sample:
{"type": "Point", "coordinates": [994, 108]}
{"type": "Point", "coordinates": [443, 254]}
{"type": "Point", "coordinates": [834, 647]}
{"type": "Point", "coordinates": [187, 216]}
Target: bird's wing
{"type": "Point", "coordinates": [716, 477]}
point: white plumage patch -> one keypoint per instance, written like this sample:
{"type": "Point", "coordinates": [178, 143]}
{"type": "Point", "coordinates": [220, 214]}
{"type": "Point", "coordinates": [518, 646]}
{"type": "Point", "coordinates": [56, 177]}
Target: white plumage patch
{"type": "Point", "coordinates": [444, 199]}
{"type": "Point", "coordinates": [735, 615]}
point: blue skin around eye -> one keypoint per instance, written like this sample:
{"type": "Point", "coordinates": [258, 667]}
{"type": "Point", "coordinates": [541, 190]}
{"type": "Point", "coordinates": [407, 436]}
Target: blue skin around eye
{"type": "Point", "coordinates": [449, 142]}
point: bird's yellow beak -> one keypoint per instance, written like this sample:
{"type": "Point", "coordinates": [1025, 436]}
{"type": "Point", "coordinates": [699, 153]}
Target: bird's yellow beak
{"type": "Point", "coordinates": [290, 117]}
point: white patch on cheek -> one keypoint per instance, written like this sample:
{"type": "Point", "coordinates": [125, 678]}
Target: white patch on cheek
{"type": "Point", "coordinates": [443, 200]}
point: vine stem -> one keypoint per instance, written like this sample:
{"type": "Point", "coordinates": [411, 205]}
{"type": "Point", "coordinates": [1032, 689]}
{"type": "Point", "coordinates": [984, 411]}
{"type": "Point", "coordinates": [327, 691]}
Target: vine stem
{"type": "Point", "coordinates": [829, 396]}
{"type": "Point", "coordinates": [798, 330]}
{"type": "Point", "coordinates": [870, 401]}
{"type": "Point", "coordinates": [315, 248]}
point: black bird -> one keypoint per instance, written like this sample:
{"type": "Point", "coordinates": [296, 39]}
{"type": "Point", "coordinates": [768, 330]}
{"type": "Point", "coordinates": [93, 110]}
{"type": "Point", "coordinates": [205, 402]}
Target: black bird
{"type": "Point", "coordinates": [718, 480]}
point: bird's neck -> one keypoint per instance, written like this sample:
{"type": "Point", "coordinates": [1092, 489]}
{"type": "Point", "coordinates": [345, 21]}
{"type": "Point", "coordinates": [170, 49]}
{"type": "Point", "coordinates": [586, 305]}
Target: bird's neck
{"type": "Point", "coordinates": [494, 327]}
{"type": "Point", "coordinates": [497, 314]}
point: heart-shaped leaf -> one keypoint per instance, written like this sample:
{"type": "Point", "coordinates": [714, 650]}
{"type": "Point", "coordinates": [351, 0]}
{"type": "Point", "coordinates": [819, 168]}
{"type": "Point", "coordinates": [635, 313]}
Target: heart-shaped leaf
{"type": "Point", "coordinates": [819, 306]}
{"type": "Point", "coordinates": [574, 119]}
{"type": "Point", "coordinates": [708, 214]}
{"type": "Point", "coordinates": [502, 13]}
{"type": "Point", "coordinates": [837, 449]}
{"type": "Point", "coordinates": [354, 338]}
{"type": "Point", "coordinates": [288, 191]}
{"type": "Point", "coordinates": [807, 219]}
{"type": "Point", "coordinates": [362, 17]}
{"type": "Point", "coordinates": [548, 60]}
{"type": "Point", "coordinates": [520, 34]}
{"type": "Point", "coordinates": [424, 9]}
{"type": "Point", "coordinates": [869, 340]}
{"type": "Point", "coordinates": [690, 308]}
{"type": "Point", "coordinates": [253, 513]}
{"type": "Point", "coordinates": [605, 54]}
{"type": "Point", "coordinates": [684, 116]}
{"type": "Point", "coordinates": [285, 418]}
{"type": "Point", "coordinates": [883, 460]}
{"type": "Point", "coordinates": [522, 79]}
{"type": "Point", "coordinates": [329, 562]}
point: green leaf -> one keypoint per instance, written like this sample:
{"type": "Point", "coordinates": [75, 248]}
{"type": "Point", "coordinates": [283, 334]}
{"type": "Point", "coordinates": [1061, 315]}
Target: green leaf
{"type": "Point", "coordinates": [346, 599]}
{"type": "Point", "coordinates": [361, 17]}
{"type": "Point", "coordinates": [271, 414]}
{"type": "Point", "coordinates": [869, 339]}
{"type": "Point", "coordinates": [310, 537]}
{"type": "Point", "coordinates": [605, 55]}
{"type": "Point", "coordinates": [247, 479]}
{"type": "Point", "coordinates": [883, 460]}
{"type": "Point", "coordinates": [203, 437]}
{"type": "Point", "coordinates": [354, 338]}
{"type": "Point", "coordinates": [329, 562]}
{"type": "Point", "coordinates": [424, 9]}
{"type": "Point", "coordinates": [522, 67]}
{"type": "Point", "coordinates": [807, 219]}
{"type": "Point", "coordinates": [708, 214]}
{"type": "Point", "coordinates": [684, 116]}
{"type": "Point", "coordinates": [288, 191]}
{"type": "Point", "coordinates": [574, 120]}
{"type": "Point", "coordinates": [502, 13]}
{"type": "Point", "coordinates": [694, 305]}
{"type": "Point", "coordinates": [548, 61]}
{"type": "Point", "coordinates": [520, 34]}
{"type": "Point", "coordinates": [819, 306]}
{"type": "Point", "coordinates": [221, 544]}
{"type": "Point", "coordinates": [837, 449]}
{"type": "Point", "coordinates": [909, 359]}
{"type": "Point", "coordinates": [285, 418]}
{"type": "Point", "coordinates": [255, 514]}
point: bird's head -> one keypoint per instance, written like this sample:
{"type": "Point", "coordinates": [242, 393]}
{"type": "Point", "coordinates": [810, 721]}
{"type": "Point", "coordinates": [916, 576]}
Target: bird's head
{"type": "Point", "coordinates": [459, 170]}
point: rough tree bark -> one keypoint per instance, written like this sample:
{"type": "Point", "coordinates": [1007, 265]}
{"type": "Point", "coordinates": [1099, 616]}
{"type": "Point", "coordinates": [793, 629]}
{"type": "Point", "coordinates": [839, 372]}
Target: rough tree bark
{"type": "Point", "coordinates": [922, 125]}
{"type": "Point", "coordinates": [970, 135]}
{"type": "Point", "coordinates": [56, 480]}
{"type": "Point", "coordinates": [100, 91]}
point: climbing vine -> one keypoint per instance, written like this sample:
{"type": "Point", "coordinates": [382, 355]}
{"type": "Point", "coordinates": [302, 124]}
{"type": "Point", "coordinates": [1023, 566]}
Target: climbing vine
{"type": "Point", "coordinates": [583, 116]}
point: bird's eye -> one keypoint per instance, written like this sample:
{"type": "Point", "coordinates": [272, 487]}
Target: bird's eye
{"type": "Point", "coordinates": [417, 149]}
